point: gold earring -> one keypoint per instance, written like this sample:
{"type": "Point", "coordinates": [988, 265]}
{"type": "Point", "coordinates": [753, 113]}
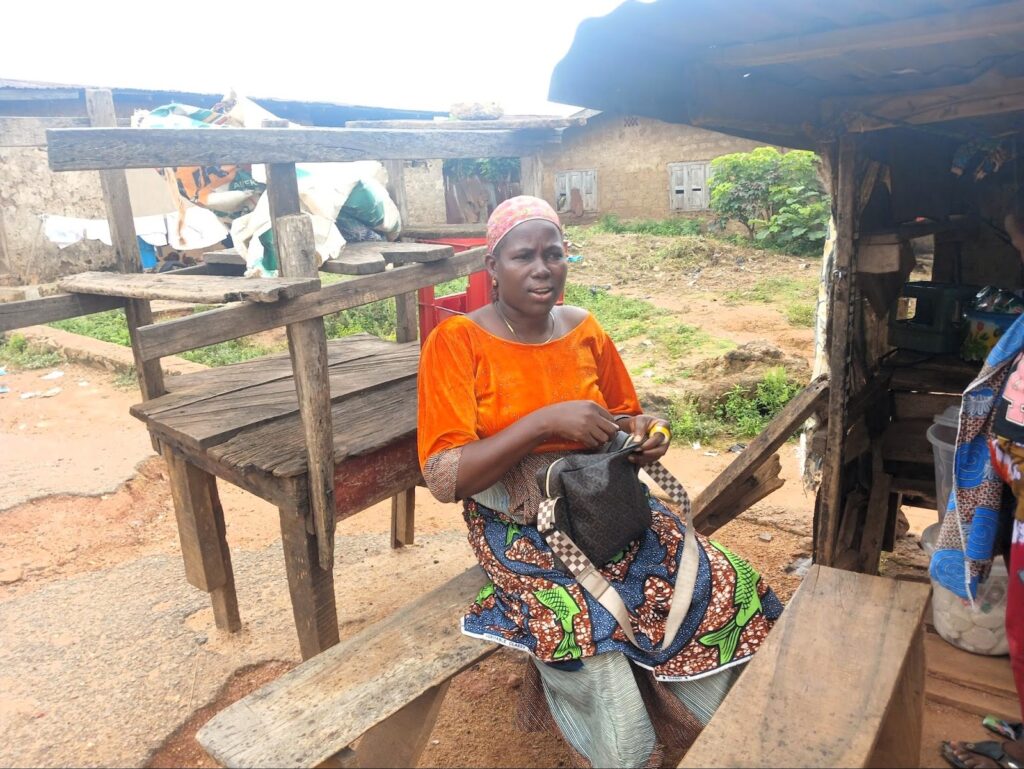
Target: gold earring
{"type": "Point", "coordinates": [494, 282]}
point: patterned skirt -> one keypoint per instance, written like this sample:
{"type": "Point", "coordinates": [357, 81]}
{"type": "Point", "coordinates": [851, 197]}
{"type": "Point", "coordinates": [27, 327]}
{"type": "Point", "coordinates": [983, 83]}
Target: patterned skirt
{"type": "Point", "coordinates": [530, 604]}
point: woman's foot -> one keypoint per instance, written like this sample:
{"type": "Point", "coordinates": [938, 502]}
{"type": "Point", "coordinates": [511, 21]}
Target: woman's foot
{"type": "Point", "coordinates": [984, 755]}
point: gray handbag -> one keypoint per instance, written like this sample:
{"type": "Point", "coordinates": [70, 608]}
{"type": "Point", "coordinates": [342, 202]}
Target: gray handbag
{"type": "Point", "coordinates": [603, 509]}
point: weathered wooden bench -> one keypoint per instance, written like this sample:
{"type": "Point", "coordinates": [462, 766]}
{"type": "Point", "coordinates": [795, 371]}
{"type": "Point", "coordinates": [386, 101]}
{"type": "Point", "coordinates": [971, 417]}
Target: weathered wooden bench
{"type": "Point", "coordinates": [822, 691]}
{"type": "Point", "coordinates": [385, 684]}
{"type": "Point", "coordinates": [840, 681]}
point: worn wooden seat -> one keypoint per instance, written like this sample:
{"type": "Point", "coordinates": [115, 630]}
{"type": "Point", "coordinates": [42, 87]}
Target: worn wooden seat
{"type": "Point", "coordinates": [200, 289]}
{"type": "Point", "coordinates": [840, 681]}
{"type": "Point", "coordinates": [359, 258]}
{"type": "Point", "coordinates": [384, 684]}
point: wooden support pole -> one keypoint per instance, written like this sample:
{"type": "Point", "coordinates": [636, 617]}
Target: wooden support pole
{"type": "Point", "coordinates": [310, 585]}
{"type": "Point", "coordinates": [831, 491]}
{"type": "Point", "coordinates": [531, 176]}
{"type": "Point", "coordinates": [403, 505]}
{"type": "Point", "coordinates": [307, 345]}
{"type": "Point", "coordinates": [100, 106]}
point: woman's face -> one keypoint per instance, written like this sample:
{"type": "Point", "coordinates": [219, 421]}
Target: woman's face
{"type": "Point", "coordinates": [530, 267]}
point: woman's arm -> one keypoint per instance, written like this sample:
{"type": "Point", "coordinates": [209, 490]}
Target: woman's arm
{"type": "Point", "coordinates": [483, 462]}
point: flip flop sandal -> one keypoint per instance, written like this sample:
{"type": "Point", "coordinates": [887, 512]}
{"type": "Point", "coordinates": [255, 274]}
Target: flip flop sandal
{"type": "Point", "coordinates": [1007, 729]}
{"type": "Point", "coordinates": [989, 749]}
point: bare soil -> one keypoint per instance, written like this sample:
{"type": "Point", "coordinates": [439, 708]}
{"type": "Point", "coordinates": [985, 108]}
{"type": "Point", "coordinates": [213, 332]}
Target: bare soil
{"type": "Point", "coordinates": [50, 535]}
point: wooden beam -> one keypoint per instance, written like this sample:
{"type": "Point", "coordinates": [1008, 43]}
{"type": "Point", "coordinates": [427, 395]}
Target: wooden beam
{"type": "Point", "coordinates": [778, 431]}
{"type": "Point", "coordinates": [831, 490]}
{"type": "Point", "coordinates": [85, 149]}
{"type": "Point", "coordinates": [989, 95]}
{"type": "Point", "coordinates": [403, 505]}
{"type": "Point", "coordinates": [531, 175]}
{"type": "Point", "coordinates": [936, 29]}
{"type": "Point", "coordinates": [236, 321]}
{"type": "Point", "coordinates": [307, 343]}
{"type": "Point", "coordinates": [32, 312]}
{"type": "Point", "coordinates": [198, 289]}
{"type": "Point", "coordinates": [116, 200]}
{"type": "Point", "coordinates": [509, 124]}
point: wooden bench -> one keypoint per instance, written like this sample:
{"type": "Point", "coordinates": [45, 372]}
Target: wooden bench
{"type": "Point", "coordinates": [839, 682]}
{"type": "Point", "coordinates": [384, 684]}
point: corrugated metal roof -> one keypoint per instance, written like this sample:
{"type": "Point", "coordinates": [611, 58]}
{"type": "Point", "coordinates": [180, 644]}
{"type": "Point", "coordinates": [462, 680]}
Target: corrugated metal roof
{"type": "Point", "coordinates": [671, 59]}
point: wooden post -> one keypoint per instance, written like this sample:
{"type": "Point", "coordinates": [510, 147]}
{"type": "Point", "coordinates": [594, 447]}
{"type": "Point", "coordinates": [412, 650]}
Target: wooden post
{"type": "Point", "coordinates": [197, 508]}
{"type": "Point", "coordinates": [403, 505]}
{"type": "Point", "coordinates": [100, 106]}
{"type": "Point", "coordinates": [311, 587]}
{"type": "Point", "coordinates": [531, 176]}
{"type": "Point", "coordinates": [307, 344]}
{"type": "Point", "coordinates": [831, 508]}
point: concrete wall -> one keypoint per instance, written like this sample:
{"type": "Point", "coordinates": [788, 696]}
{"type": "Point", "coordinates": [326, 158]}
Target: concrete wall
{"type": "Point", "coordinates": [424, 191]}
{"type": "Point", "coordinates": [28, 189]}
{"type": "Point", "coordinates": [631, 156]}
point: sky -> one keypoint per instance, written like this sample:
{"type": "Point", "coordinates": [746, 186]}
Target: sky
{"type": "Point", "coordinates": [413, 54]}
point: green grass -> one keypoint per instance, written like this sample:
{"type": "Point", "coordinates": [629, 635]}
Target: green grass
{"type": "Point", "coordinates": [16, 351]}
{"type": "Point", "coordinates": [232, 351]}
{"type": "Point", "coordinates": [109, 326]}
{"type": "Point", "coordinates": [126, 380]}
{"type": "Point", "coordinates": [800, 314]}
{"type": "Point", "coordinates": [692, 424]}
{"type": "Point", "coordinates": [666, 227]}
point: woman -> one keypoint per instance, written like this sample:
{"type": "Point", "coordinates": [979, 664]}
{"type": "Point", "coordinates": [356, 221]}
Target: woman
{"type": "Point", "coordinates": [505, 390]}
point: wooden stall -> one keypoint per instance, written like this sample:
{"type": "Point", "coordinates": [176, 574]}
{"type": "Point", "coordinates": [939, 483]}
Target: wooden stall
{"type": "Point", "coordinates": [302, 430]}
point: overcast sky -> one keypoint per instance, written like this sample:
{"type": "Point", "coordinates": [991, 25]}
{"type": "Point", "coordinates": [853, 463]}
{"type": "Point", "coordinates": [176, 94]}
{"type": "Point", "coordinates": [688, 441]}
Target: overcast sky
{"type": "Point", "coordinates": [413, 54]}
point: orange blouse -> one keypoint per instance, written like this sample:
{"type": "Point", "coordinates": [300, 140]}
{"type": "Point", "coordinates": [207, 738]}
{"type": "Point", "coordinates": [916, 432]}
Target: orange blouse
{"type": "Point", "coordinates": [473, 384]}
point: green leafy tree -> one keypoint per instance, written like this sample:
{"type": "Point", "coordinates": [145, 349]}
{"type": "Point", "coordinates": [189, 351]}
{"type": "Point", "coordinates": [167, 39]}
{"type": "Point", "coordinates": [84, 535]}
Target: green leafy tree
{"type": "Point", "coordinates": [778, 198]}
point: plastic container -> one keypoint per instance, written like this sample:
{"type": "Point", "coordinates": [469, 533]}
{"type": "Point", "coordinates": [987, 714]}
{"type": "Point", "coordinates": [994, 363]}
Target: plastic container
{"type": "Point", "coordinates": [929, 537]}
{"type": "Point", "coordinates": [942, 436]}
{"type": "Point", "coordinates": [980, 629]}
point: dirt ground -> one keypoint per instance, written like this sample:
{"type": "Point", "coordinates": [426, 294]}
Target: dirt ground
{"type": "Point", "coordinates": [85, 507]}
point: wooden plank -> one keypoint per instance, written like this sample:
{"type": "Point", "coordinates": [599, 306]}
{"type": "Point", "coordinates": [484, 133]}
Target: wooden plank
{"type": "Point", "coordinates": [930, 380]}
{"type": "Point", "coordinates": [307, 343]}
{"type": "Point", "coordinates": [935, 29]}
{"type": "Point", "coordinates": [311, 586]}
{"type": "Point", "coordinates": [100, 107]}
{"type": "Point", "coordinates": [222, 380]}
{"type": "Point", "coordinates": [396, 184]}
{"type": "Point", "coordinates": [877, 515]}
{"type": "Point", "coordinates": [740, 495]}
{"type": "Point", "coordinates": [204, 422]}
{"type": "Point", "coordinates": [403, 505]}
{"type": "Point", "coordinates": [972, 700]}
{"type": "Point", "coordinates": [320, 707]}
{"type": "Point", "coordinates": [47, 309]}
{"type": "Point", "coordinates": [202, 534]}
{"type": "Point", "coordinates": [907, 441]}
{"type": "Point", "coordinates": [973, 671]}
{"type": "Point", "coordinates": [224, 323]}
{"type": "Point", "coordinates": [224, 256]}
{"type": "Point", "coordinates": [198, 289]}
{"type": "Point", "coordinates": [991, 94]}
{"type": "Point", "coordinates": [531, 175]}
{"type": "Point", "coordinates": [86, 149]}
{"type": "Point", "coordinates": [917, 405]}
{"type": "Point", "coordinates": [805, 674]}
{"type": "Point", "coordinates": [364, 480]}
{"type": "Point", "coordinates": [504, 124]}
{"type": "Point", "coordinates": [367, 258]}
{"type": "Point", "coordinates": [831, 490]}
{"type": "Point", "coordinates": [899, 738]}
{"type": "Point", "coordinates": [398, 741]}
{"type": "Point", "coordinates": [442, 231]}
{"type": "Point", "coordinates": [778, 431]}
{"type": "Point", "coordinates": [277, 447]}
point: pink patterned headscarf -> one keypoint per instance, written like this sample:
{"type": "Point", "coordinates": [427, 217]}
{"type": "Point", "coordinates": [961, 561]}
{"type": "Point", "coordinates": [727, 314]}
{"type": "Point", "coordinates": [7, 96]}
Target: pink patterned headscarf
{"type": "Point", "coordinates": [515, 211]}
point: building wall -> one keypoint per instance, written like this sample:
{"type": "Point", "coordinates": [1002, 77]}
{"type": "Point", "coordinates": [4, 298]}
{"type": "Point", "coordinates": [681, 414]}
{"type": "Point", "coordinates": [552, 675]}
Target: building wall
{"type": "Point", "coordinates": [631, 156]}
{"type": "Point", "coordinates": [29, 189]}
{"type": "Point", "coordinates": [424, 191]}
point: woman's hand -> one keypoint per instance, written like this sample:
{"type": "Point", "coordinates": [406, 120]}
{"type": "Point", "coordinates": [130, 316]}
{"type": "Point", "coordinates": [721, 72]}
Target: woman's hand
{"type": "Point", "coordinates": [582, 421]}
{"type": "Point", "coordinates": [652, 447]}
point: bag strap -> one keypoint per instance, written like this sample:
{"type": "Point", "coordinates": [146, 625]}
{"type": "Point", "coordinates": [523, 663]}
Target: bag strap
{"type": "Point", "coordinates": [588, 576]}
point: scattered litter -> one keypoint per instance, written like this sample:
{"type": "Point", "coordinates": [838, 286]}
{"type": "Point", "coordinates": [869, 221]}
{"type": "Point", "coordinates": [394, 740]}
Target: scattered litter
{"type": "Point", "coordinates": [695, 445]}
{"type": "Point", "coordinates": [4, 389]}
{"type": "Point", "coordinates": [576, 259]}
{"type": "Point", "coordinates": [711, 453]}
{"type": "Point", "coordinates": [50, 393]}
{"type": "Point", "coordinates": [764, 536]}
{"type": "Point", "coordinates": [55, 374]}
{"type": "Point", "coordinates": [3, 371]}
{"type": "Point", "coordinates": [83, 383]}
{"type": "Point", "coordinates": [649, 374]}
{"type": "Point", "coordinates": [799, 567]}
{"type": "Point", "coordinates": [736, 448]}
{"type": "Point", "coordinates": [435, 742]}
{"type": "Point", "coordinates": [31, 394]}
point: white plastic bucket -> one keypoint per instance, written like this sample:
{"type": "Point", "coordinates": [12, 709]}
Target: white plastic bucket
{"type": "Point", "coordinates": [981, 629]}
{"type": "Point", "coordinates": [943, 440]}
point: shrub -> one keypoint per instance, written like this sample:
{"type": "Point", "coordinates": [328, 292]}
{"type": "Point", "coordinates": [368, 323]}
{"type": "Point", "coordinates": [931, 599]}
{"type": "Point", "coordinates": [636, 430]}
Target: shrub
{"type": "Point", "coordinates": [749, 413]}
{"type": "Point", "coordinates": [778, 198]}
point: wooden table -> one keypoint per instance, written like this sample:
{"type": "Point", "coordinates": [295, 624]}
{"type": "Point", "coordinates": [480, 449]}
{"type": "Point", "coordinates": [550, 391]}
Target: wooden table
{"type": "Point", "coordinates": [241, 423]}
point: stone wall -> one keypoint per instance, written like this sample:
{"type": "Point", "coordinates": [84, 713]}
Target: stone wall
{"type": "Point", "coordinates": [424, 191]}
{"type": "Point", "coordinates": [631, 156]}
{"type": "Point", "coordinates": [29, 189]}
